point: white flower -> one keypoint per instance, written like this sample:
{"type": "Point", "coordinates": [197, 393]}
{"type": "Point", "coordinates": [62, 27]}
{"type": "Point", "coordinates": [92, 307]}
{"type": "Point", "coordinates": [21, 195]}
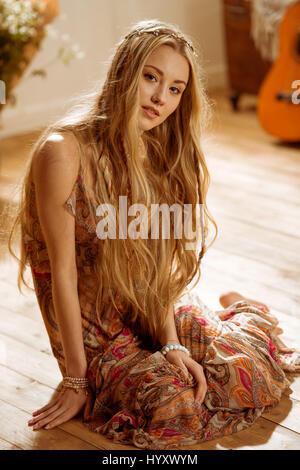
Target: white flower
{"type": "Point", "coordinates": [23, 30]}
{"type": "Point", "coordinates": [75, 48]}
{"type": "Point", "coordinates": [11, 19]}
{"type": "Point", "coordinates": [16, 8]}
{"type": "Point", "coordinates": [51, 31]}
{"type": "Point", "coordinates": [12, 29]}
{"type": "Point", "coordinates": [24, 18]}
{"type": "Point", "coordinates": [80, 55]}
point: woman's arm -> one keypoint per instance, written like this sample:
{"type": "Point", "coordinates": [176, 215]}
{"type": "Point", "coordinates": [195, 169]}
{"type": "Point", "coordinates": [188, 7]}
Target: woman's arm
{"type": "Point", "coordinates": [180, 358]}
{"type": "Point", "coordinates": [169, 333]}
{"type": "Point", "coordinates": [55, 169]}
{"type": "Point", "coordinates": [68, 314]}
{"type": "Point", "coordinates": [54, 172]}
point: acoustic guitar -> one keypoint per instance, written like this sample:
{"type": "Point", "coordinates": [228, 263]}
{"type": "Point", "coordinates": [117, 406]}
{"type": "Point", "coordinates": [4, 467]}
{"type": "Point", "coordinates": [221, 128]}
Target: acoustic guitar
{"type": "Point", "coordinates": [279, 95]}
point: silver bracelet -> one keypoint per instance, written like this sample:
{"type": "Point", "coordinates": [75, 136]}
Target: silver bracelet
{"type": "Point", "coordinates": [172, 346]}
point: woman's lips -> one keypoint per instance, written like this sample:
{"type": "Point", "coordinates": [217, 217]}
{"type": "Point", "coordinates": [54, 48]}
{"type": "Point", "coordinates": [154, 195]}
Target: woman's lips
{"type": "Point", "coordinates": [150, 113]}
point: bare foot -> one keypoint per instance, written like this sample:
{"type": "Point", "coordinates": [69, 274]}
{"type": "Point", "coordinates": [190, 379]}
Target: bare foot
{"type": "Point", "coordinates": [230, 297]}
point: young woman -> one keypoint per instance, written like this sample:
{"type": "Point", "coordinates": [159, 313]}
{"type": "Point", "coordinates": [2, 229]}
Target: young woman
{"type": "Point", "coordinates": [140, 358]}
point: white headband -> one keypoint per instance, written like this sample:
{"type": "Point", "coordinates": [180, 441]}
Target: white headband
{"type": "Point", "coordinates": [158, 32]}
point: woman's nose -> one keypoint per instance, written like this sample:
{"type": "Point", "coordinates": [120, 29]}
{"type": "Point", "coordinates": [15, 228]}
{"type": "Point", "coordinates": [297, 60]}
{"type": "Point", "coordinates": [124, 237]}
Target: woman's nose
{"type": "Point", "coordinates": [159, 96]}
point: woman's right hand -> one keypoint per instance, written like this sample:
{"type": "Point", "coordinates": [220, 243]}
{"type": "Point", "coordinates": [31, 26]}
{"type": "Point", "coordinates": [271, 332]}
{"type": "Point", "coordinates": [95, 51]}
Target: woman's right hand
{"type": "Point", "coordinates": [60, 410]}
{"type": "Point", "coordinates": [187, 364]}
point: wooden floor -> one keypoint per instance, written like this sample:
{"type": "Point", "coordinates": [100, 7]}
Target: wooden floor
{"type": "Point", "coordinates": [254, 197]}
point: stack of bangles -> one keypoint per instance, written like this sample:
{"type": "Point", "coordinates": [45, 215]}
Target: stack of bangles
{"type": "Point", "coordinates": [80, 383]}
{"type": "Point", "coordinates": [173, 346]}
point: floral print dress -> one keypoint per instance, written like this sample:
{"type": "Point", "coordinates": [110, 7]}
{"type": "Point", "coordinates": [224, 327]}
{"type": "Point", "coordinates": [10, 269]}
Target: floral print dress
{"type": "Point", "coordinates": [139, 397]}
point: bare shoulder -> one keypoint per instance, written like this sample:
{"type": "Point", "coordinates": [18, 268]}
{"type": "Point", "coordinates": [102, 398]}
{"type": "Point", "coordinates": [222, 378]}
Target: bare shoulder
{"type": "Point", "coordinates": [55, 165]}
{"type": "Point", "coordinates": [58, 149]}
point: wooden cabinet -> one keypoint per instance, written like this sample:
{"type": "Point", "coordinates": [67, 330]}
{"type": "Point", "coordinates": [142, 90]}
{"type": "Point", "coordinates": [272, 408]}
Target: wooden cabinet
{"type": "Point", "coordinates": [246, 68]}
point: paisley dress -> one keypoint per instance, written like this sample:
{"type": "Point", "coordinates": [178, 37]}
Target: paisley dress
{"type": "Point", "coordinates": [139, 397]}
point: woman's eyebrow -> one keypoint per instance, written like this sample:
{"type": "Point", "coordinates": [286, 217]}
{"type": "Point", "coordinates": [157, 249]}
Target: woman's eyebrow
{"type": "Point", "coordinates": [161, 73]}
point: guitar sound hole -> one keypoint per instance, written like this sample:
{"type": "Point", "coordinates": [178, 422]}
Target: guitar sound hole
{"type": "Point", "coordinates": [284, 96]}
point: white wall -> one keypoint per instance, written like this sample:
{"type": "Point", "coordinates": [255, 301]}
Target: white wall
{"type": "Point", "coordinates": [96, 25]}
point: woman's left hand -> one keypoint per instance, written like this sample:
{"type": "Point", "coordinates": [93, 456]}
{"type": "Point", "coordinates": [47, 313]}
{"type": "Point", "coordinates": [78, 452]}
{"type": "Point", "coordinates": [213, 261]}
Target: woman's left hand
{"type": "Point", "coordinates": [60, 410]}
{"type": "Point", "coordinates": [187, 364]}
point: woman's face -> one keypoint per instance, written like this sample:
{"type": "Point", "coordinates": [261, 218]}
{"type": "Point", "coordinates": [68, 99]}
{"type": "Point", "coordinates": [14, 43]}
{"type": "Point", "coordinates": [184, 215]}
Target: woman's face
{"type": "Point", "coordinates": [164, 79]}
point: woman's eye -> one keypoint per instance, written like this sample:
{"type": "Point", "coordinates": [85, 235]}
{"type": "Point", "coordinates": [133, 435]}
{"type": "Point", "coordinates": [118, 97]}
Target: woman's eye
{"type": "Point", "coordinates": [177, 92]}
{"type": "Point", "coordinates": [149, 75]}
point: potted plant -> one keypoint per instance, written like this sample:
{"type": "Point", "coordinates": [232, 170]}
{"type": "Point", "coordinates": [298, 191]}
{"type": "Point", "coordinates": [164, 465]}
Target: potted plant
{"type": "Point", "coordinates": [22, 29]}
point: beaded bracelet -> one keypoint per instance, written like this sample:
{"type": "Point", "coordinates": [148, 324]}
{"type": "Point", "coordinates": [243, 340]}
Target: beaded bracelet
{"type": "Point", "coordinates": [82, 380]}
{"type": "Point", "coordinates": [76, 383]}
{"type": "Point", "coordinates": [172, 346]}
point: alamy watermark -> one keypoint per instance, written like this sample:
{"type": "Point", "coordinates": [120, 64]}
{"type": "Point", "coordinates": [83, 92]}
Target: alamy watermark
{"type": "Point", "coordinates": [2, 92]}
{"type": "Point", "coordinates": [296, 94]}
{"type": "Point", "coordinates": [183, 222]}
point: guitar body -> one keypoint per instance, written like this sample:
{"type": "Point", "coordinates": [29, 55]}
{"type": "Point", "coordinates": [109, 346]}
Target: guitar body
{"type": "Point", "coordinates": [279, 95]}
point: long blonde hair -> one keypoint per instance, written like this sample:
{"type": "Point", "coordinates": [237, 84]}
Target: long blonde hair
{"type": "Point", "coordinates": [178, 175]}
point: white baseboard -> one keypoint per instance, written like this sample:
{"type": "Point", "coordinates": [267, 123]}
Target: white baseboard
{"type": "Point", "coordinates": [19, 120]}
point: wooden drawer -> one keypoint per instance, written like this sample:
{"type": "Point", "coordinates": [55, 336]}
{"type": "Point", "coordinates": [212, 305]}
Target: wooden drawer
{"type": "Point", "coordinates": [246, 68]}
{"type": "Point", "coordinates": [237, 14]}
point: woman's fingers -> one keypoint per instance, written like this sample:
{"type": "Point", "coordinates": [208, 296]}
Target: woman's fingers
{"type": "Point", "coordinates": [66, 407]}
{"type": "Point", "coordinates": [197, 371]}
{"type": "Point", "coordinates": [50, 417]}
{"type": "Point", "coordinates": [174, 357]}
{"type": "Point", "coordinates": [184, 368]}
{"type": "Point", "coordinates": [45, 408]}
{"type": "Point", "coordinates": [40, 418]}
{"type": "Point", "coordinates": [187, 364]}
{"type": "Point", "coordinates": [62, 418]}
{"type": "Point", "coordinates": [200, 392]}
{"type": "Point", "coordinates": [43, 415]}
